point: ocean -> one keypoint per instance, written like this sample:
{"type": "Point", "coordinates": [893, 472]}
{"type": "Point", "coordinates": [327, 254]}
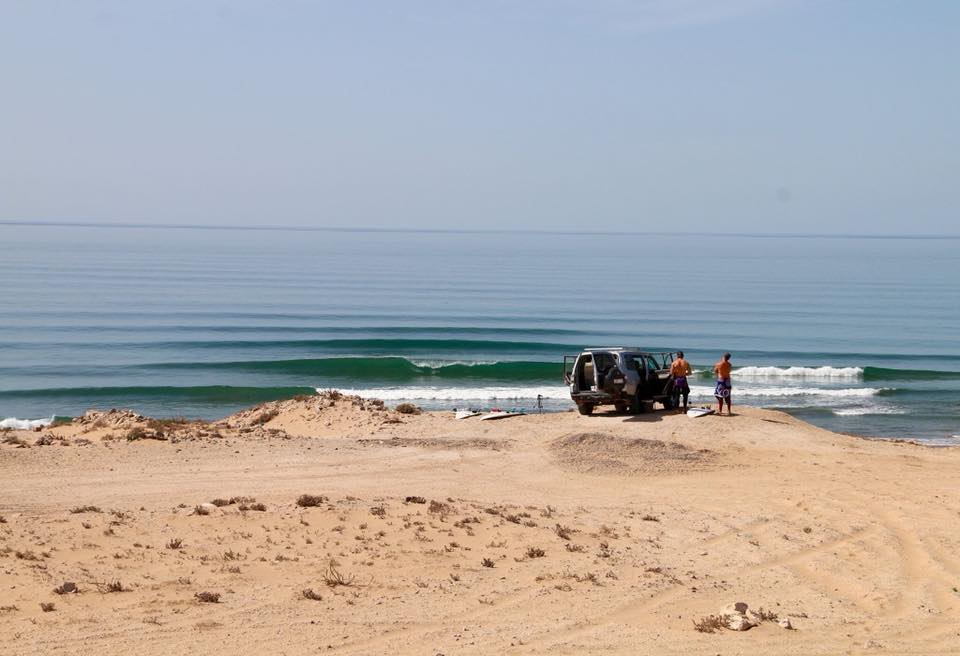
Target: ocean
{"type": "Point", "coordinates": [853, 334]}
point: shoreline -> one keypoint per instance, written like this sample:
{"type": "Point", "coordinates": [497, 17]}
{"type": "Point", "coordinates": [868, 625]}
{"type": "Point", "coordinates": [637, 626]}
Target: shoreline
{"type": "Point", "coordinates": [609, 533]}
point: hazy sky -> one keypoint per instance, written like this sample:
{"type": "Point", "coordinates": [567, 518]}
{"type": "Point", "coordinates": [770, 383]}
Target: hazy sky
{"type": "Point", "coordinates": [687, 115]}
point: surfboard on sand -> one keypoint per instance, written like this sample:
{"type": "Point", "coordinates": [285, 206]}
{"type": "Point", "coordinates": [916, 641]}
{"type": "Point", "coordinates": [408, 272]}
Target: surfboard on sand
{"type": "Point", "coordinates": [466, 414]}
{"type": "Point", "coordinates": [500, 414]}
{"type": "Point", "coordinates": [699, 412]}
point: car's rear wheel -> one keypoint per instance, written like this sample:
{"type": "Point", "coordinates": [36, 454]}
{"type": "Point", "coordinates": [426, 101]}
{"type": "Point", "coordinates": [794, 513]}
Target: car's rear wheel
{"type": "Point", "coordinates": [637, 406]}
{"type": "Point", "coordinates": [585, 408]}
{"type": "Point", "coordinates": [621, 407]}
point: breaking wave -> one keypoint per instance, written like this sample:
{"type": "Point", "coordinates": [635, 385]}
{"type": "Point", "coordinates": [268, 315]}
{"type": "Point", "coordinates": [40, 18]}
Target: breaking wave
{"type": "Point", "coordinates": [24, 424]}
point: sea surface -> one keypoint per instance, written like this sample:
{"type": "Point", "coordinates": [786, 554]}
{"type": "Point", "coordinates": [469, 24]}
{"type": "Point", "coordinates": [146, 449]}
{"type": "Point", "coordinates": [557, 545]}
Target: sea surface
{"type": "Point", "coordinates": [853, 334]}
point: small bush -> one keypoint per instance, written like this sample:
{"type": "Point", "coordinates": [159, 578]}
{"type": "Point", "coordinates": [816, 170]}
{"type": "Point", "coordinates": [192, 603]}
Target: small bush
{"type": "Point", "coordinates": [113, 586]}
{"type": "Point", "coordinates": [333, 578]}
{"type": "Point", "coordinates": [201, 510]}
{"type": "Point", "coordinates": [535, 552]}
{"type": "Point", "coordinates": [220, 503]}
{"type": "Point", "coordinates": [259, 507]}
{"type": "Point", "coordinates": [311, 595]}
{"type": "Point", "coordinates": [564, 532]}
{"type": "Point", "coordinates": [136, 433]}
{"type": "Point", "coordinates": [408, 409]}
{"type": "Point", "coordinates": [414, 500]}
{"type": "Point", "coordinates": [208, 597]}
{"type": "Point", "coordinates": [650, 518]}
{"type": "Point", "coordinates": [439, 508]}
{"type": "Point", "coordinates": [487, 562]}
{"type": "Point", "coordinates": [310, 500]}
{"type": "Point", "coordinates": [379, 511]}
{"type": "Point", "coordinates": [48, 606]}
{"type": "Point", "coordinates": [85, 509]}
{"type": "Point", "coordinates": [265, 416]}
{"type": "Point", "coordinates": [176, 543]}
{"type": "Point", "coordinates": [710, 623]}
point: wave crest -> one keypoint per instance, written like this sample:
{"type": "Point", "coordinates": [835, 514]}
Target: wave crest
{"type": "Point", "coordinates": [806, 373]}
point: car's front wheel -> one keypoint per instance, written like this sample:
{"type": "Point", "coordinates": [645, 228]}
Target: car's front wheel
{"type": "Point", "coordinates": [585, 408]}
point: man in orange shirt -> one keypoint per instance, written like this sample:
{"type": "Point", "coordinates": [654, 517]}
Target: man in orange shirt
{"type": "Point", "coordinates": [679, 371]}
{"type": "Point", "coordinates": [722, 369]}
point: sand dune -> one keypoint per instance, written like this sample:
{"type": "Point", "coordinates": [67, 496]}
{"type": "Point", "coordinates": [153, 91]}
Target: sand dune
{"type": "Point", "coordinates": [549, 534]}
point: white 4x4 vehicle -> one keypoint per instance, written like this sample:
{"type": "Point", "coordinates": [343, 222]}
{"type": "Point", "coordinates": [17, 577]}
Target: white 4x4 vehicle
{"type": "Point", "coordinates": [627, 378]}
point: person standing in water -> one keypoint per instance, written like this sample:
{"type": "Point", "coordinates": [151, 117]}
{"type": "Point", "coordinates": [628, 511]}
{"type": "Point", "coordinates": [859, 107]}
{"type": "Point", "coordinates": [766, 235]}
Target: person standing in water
{"type": "Point", "coordinates": [722, 369]}
{"type": "Point", "coordinates": [679, 371]}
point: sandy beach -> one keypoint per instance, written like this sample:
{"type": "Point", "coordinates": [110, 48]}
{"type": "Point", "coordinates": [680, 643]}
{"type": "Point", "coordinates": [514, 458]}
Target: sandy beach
{"type": "Point", "coordinates": [337, 526]}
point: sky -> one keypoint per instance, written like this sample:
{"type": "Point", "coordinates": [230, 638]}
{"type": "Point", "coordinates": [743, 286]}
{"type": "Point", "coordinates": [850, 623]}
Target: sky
{"type": "Point", "coordinates": [767, 116]}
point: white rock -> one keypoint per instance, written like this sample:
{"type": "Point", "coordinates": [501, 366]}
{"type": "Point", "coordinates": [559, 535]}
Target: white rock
{"type": "Point", "coordinates": [738, 622]}
{"type": "Point", "coordinates": [785, 623]}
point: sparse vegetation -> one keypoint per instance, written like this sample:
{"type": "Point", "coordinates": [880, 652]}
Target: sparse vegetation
{"type": "Point", "coordinates": [535, 552]}
{"type": "Point", "coordinates": [414, 500]}
{"type": "Point", "coordinates": [439, 508]}
{"type": "Point", "coordinates": [310, 500]}
{"type": "Point", "coordinates": [85, 509]}
{"type": "Point", "coordinates": [175, 543]}
{"type": "Point", "coordinates": [575, 548]}
{"type": "Point", "coordinates": [48, 606]}
{"type": "Point", "coordinates": [201, 510]}
{"type": "Point", "coordinates": [208, 597]}
{"type": "Point", "coordinates": [259, 507]}
{"type": "Point", "coordinates": [113, 586]}
{"type": "Point", "coordinates": [333, 578]}
{"type": "Point", "coordinates": [650, 518]}
{"type": "Point", "coordinates": [766, 615]}
{"type": "Point", "coordinates": [379, 511]}
{"type": "Point", "coordinates": [66, 588]}
{"type": "Point", "coordinates": [563, 532]}
{"type": "Point", "coordinates": [408, 409]}
{"type": "Point", "coordinates": [136, 433]}
{"type": "Point", "coordinates": [220, 503]}
{"type": "Point", "coordinates": [266, 416]}
{"type": "Point", "coordinates": [710, 623]}
{"type": "Point", "coordinates": [487, 562]}
{"type": "Point", "coordinates": [310, 594]}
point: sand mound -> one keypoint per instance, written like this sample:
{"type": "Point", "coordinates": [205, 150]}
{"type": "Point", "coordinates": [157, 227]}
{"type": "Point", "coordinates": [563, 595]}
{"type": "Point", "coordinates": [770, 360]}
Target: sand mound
{"type": "Point", "coordinates": [327, 414]}
{"type": "Point", "coordinates": [600, 453]}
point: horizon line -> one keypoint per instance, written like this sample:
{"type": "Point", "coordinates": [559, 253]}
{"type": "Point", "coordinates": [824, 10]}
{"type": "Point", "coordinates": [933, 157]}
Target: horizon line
{"type": "Point", "coordinates": [465, 231]}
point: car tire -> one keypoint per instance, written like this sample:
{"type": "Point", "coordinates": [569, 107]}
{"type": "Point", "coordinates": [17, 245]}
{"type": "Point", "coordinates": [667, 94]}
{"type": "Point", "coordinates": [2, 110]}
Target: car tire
{"type": "Point", "coordinates": [585, 408]}
{"type": "Point", "coordinates": [621, 407]}
{"type": "Point", "coordinates": [637, 406]}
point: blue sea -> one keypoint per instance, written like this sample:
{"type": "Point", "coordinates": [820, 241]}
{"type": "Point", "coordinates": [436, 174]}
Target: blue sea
{"type": "Point", "coordinates": [853, 334]}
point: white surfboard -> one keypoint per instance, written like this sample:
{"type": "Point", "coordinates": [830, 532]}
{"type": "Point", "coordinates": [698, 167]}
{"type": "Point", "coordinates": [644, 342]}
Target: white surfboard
{"type": "Point", "coordinates": [500, 415]}
{"type": "Point", "coordinates": [699, 412]}
{"type": "Point", "coordinates": [465, 414]}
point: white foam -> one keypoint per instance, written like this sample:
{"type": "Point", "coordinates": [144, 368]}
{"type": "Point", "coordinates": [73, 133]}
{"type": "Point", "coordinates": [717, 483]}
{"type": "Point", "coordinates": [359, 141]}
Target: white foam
{"type": "Point", "coordinates": [807, 373]}
{"type": "Point", "coordinates": [458, 393]}
{"type": "Point", "coordinates": [779, 392]}
{"type": "Point", "coordinates": [868, 410]}
{"type": "Point", "coordinates": [440, 364]}
{"type": "Point", "coordinates": [24, 424]}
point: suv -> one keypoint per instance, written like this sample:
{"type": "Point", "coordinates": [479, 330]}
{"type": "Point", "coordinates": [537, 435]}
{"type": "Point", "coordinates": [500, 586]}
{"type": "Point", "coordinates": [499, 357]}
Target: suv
{"type": "Point", "coordinates": [627, 378]}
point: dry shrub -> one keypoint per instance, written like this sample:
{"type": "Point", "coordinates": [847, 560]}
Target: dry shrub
{"type": "Point", "coordinates": [311, 595]}
{"type": "Point", "coordinates": [766, 615]}
{"type": "Point", "coordinates": [333, 578]}
{"type": "Point", "coordinates": [85, 509]}
{"type": "Point", "coordinates": [710, 623]}
{"type": "Point", "coordinates": [310, 500]}
{"type": "Point", "coordinates": [220, 503]}
{"type": "Point", "coordinates": [208, 597]}
{"type": "Point", "coordinates": [563, 532]}
{"type": "Point", "coordinates": [201, 510]}
{"type": "Point", "coordinates": [266, 416]}
{"type": "Point", "coordinates": [650, 518]}
{"type": "Point", "coordinates": [439, 508]}
{"type": "Point", "coordinates": [379, 511]}
{"type": "Point", "coordinates": [176, 543]}
{"type": "Point", "coordinates": [112, 586]}
{"type": "Point", "coordinates": [136, 433]}
{"type": "Point", "coordinates": [535, 552]}
{"type": "Point", "coordinates": [259, 507]}
{"type": "Point", "coordinates": [47, 606]}
{"type": "Point", "coordinates": [408, 409]}
{"type": "Point", "coordinates": [487, 562]}
{"type": "Point", "coordinates": [414, 500]}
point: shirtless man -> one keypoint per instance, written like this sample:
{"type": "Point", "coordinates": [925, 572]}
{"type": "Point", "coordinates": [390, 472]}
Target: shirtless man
{"type": "Point", "coordinates": [679, 371]}
{"type": "Point", "coordinates": [722, 369]}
